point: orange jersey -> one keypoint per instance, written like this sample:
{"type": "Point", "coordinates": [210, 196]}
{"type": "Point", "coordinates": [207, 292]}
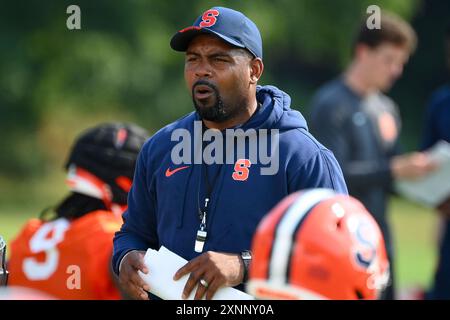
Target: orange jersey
{"type": "Point", "coordinates": [69, 260]}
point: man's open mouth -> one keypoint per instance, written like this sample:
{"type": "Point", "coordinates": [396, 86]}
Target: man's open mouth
{"type": "Point", "coordinates": [202, 91]}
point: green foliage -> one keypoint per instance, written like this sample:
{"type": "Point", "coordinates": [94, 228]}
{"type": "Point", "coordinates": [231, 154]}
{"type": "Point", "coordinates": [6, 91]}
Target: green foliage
{"type": "Point", "coordinates": [120, 63]}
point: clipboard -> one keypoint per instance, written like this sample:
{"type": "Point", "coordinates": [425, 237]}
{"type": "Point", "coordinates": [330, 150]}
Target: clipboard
{"type": "Point", "coordinates": [433, 189]}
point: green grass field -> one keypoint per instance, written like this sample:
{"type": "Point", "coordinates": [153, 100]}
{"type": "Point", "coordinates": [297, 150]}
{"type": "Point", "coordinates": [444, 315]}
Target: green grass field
{"type": "Point", "coordinates": [415, 231]}
{"type": "Point", "coordinates": [414, 228]}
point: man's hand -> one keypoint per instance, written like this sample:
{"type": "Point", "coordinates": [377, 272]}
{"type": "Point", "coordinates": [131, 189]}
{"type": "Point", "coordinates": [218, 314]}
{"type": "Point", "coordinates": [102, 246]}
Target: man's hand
{"type": "Point", "coordinates": [216, 268]}
{"type": "Point", "coordinates": [412, 166]}
{"type": "Point", "coordinates": [129, 279]}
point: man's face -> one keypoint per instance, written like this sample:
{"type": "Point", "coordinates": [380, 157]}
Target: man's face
{"type": "Point", "coordinates": [218, 76]}
{"type": "Point", "coordinates": [384, 64]}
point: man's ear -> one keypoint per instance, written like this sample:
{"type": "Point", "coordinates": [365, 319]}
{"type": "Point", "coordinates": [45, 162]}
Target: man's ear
{"type": "Point", "coordinates": [256, 70]}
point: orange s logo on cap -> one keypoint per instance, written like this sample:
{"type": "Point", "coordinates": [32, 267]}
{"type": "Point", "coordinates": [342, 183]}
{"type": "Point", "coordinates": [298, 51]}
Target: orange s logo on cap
{"type": "Point", "coordinates": [209, 18]}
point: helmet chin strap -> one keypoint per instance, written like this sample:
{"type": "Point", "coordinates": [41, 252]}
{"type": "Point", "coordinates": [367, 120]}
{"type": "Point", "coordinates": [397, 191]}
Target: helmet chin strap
{"type": "Point", "coordinates": [82, 181]}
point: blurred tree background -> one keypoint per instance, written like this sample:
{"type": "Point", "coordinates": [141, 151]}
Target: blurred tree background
{"type": "Point", "coordinates": [55, 82]}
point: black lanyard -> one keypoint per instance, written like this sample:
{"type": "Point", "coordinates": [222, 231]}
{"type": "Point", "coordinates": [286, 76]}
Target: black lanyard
{"type": "Point", "coordinates": [203, 211]}
{"type": "Point", "coordinates": [209, 188]}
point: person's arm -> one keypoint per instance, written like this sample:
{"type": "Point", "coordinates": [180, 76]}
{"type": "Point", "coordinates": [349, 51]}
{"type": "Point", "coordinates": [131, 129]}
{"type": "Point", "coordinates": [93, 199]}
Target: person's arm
{"type": "Point", "coordinates": [341, 139]}
{"type": "Point", "coordinates": [138, 232]}
{"type": "Point", "coordinates": [115, 280]}
{"type": "Point", "coordinates": [320, 171]}
{"type": "Point", "coordinates": [334, 127]}
{"type": "Point", "coordinates": [368, 173]}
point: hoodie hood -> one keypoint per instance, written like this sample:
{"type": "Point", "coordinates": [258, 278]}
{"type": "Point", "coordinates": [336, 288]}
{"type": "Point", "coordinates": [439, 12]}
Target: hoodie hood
{"type": "Point", "coordinates": [275, 111]}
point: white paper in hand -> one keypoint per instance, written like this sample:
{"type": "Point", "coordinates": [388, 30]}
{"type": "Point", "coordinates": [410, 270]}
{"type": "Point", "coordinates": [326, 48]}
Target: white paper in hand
{"type": "Point", "coordinates": [434, 188]}
{"type": "Point", "coordinates": [162, 266]}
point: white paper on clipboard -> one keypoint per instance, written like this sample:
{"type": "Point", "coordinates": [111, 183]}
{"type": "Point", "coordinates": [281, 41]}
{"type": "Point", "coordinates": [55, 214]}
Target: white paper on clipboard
{"type": "Point", "coordinates": [434, 188]}
{"type": "Point", "coordinates": [162, 266]}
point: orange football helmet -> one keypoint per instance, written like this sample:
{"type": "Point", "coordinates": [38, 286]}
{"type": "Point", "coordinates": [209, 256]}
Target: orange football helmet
{"type": "Point", "coordinates": [317, 244]}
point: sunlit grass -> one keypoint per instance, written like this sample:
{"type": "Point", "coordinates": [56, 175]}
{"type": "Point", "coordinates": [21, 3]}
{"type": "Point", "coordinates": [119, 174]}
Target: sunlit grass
{"type": "Point", "coordinates": [415, 230]}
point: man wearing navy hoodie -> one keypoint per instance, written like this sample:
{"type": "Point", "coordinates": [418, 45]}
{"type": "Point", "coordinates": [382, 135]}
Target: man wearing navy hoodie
{"type": "Point", "coordinates": [207, 211]}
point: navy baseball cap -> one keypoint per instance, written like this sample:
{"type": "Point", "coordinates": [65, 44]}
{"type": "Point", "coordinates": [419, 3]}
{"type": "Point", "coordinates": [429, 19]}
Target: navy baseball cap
{"type": "Point", "coordinates": [230, 25]}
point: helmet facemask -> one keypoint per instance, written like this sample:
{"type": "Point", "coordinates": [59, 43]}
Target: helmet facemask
{"type": "Point", "coordinates": [3, 271]}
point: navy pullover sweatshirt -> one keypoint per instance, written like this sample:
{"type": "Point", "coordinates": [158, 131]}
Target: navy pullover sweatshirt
{"type": "Point", "coordinates": [164, 201]}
